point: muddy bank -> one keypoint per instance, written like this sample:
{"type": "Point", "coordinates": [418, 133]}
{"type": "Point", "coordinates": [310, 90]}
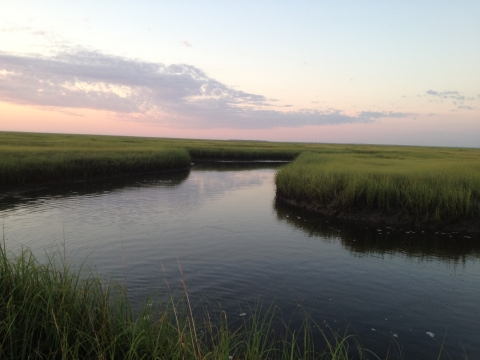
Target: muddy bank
{"type": "Point", "coordinates": [394, 217]}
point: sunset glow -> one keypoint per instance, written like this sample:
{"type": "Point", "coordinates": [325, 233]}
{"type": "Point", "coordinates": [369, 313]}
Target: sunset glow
{"type": "Point", "coordinates": [343, 72]}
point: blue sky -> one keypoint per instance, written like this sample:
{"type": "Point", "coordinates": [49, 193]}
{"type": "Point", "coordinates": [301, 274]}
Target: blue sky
{"type": "Point", "coordinates": [399, 72]}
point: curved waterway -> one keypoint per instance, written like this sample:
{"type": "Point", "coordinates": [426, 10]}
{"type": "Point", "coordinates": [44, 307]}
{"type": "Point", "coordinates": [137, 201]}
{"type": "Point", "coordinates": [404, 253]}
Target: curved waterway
{"type": "Point", "coordinates": [402, 291]}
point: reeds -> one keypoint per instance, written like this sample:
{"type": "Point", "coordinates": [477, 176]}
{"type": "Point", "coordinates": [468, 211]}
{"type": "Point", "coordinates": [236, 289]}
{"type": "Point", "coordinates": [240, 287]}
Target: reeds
{"type": "Point", "coordinates": [21, 167]}
{"type": "Point", "coordinates": [49, 311]}
{"type": "Point", "coordinates": [39, 158]}
{"type": "Point", "coordinates": [430, 185]}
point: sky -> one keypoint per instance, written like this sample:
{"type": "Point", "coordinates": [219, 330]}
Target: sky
{"type": "Point", "coordinates": [368, 72]}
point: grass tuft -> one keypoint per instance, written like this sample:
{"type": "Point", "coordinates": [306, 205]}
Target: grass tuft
{"type": "Point", "coordinates": [49, 311]}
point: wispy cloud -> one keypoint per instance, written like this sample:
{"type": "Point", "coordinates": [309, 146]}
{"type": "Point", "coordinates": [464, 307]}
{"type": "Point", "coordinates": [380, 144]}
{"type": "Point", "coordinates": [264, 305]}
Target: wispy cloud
{"type": "Point", "coordinates": [454, 96]}
{"type": "Point", "coordinates": [44, 40]}
{"type": "Point", "coordinates": [446, 94]}
{"type": "Point", "coordinates": [177, 95]}
{"type": "Point", "coordinates": [30, 31]}
{"type": "Point", "coordinates": [383, 114]}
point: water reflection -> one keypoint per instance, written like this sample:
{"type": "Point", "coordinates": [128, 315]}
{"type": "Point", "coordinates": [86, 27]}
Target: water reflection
{"type": "Point", "coordinates": [234, 246]}
{"type": "Point", "coordinates": [238, 165]}
{"type": "Point", "coordinates": [358, 238]}
{"type": "Point", "coordinates": [38, 195]}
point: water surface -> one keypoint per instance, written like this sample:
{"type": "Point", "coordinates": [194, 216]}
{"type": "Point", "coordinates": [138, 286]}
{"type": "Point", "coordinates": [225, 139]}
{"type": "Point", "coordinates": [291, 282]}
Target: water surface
{"type": "Point", "coordinates": [237, 245]}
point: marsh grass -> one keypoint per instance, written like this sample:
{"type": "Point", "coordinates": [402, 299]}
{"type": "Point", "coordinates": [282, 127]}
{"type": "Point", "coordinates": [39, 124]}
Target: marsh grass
{"type": "Point", "coordinates": [40, 158]}
{"type": "Point", "coordinates": [26, 167]}
{"type": "Point", "coordinates": [427, 185]}
{"type": "Point", "coordinates": [49, 311]}
{"type": "Point", "coordinates": [424, 183]}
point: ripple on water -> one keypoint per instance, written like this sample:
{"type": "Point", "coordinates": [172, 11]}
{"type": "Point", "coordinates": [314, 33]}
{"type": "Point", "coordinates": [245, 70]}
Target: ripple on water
{"type": "Point", "coordinates": [238, 246]}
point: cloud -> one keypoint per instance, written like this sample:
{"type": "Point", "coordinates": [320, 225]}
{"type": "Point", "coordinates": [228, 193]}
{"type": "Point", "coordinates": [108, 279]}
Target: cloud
{"type": "Point", "coordinates": [464, 107]}
{"type": "Point", "coordinates": [446, 95]}
{"type": "Point", "coordinates": [44, 39]}
{"type": "Point", "coordinates": [377, 115]}
{"type": "Point", "coordinates": [177, 95]}
{"type": "Point", "coordinates": [26, 30]}
{"type": "Point", "coordinates": [457, 99]}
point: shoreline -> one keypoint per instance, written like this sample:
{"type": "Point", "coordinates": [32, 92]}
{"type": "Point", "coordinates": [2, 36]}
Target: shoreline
{"type": "Point", "coordinates": [225, 161]}
{"type": "Point", "coordinates": [396, 217]}
{"type": "Point", "coordinates": [6, 189]}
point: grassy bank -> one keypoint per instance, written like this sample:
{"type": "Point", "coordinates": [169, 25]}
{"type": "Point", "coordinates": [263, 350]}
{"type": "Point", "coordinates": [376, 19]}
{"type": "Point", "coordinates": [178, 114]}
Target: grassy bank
{"type": "Point", "coordinates": [419, 183]}
{"type": "Point", "coordinates": [424, 184]}
{"type": "Point", "coordinates": [22, 167]}
{"type": "Point", "coordinates": [48, 311]}
{"type": "Point", "coordinates": [38, 158]}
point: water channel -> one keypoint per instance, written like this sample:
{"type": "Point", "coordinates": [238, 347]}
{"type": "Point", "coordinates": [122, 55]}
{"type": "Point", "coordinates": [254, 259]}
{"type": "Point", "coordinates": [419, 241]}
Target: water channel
{"type": "Point", "coordinates": [400, 290]}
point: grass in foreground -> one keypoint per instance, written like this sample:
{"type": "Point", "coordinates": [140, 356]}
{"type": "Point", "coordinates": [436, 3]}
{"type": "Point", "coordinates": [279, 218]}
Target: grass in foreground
{"type": "Point", "coordinates": [425, 184]}
{"type": "Point", "coordinates": [48, 311]}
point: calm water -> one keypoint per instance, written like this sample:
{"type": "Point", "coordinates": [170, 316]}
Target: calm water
{"type": "Point", "coordinates": [236, 245]}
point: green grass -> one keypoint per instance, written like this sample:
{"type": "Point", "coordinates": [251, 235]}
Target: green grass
{"type": "Point", "coordinates": [424, 183]}
{"type": "Point", "coordinates": [39, 158]}
{"type": "Point", "coordinates": [20, 167]}
{"type": "Point", "coordinates": [49, 311]}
